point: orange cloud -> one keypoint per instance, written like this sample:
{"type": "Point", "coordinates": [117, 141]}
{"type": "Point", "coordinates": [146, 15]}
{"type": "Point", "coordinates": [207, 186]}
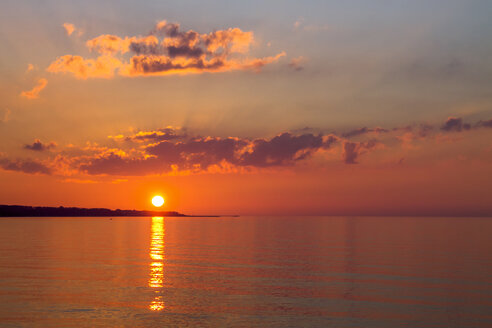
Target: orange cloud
{"type": "Point", "coordinates": [34, 93]}
{"type": "Point", "coordinates": [258, 63]}
{"type": "Point", "coordinates": [230, 40]}
{"type": "Point", "coordinates": [109, 44]}
{"type": "Point", "coordinates": [101, 67]}
{"type": "Point", "coordinates": [168, 133]}
{"type": "Point", "coordinates": [172, 151]}
{"type": "Point", "coordinates": [166, 50]}
{"type": "Point", "coordinates": [70, 29]}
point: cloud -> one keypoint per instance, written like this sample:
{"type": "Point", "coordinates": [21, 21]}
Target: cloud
{"type": "Point", "coordinates": [300, 25]}
{"type": "Point", "coordinates": [37, 145]}
{"type": "Point", "coordinates": [455, 124]}
{"type": "Point", "coordinates": [5, 116]}
{"type": "Point", "coordinates": [424, 130]}
{"type": "Point", "coordinates": [70, 29]}
{"type": "Point", "coordinates": [101, 67]}
{"type": "Point", "coordinates": [166, 50]}
{"type": "Point", "coordinates": [107, 44]}
{"type": "Point", "coordinates": [199, 154]}
{"type": "Point", "coordinates": [352, 150]}
{"type": "Point", "coordinates": [174, 151]}
{"type": "Point", "coordinates": [30, 67]}
{"type": "Point", "coordinates": [79, 181]}
{"type": "Point", "coordinates": [285, 149]}
{"type": "Point", "coordinates": [413, 133]}
{"type": "Point", "coordinates": [34, 93]}
{"type": "Point", "coordinates": [168, 133]}
{"type": "Point", "coordinates": [297, 63]}
{"type": "Point", "coordinates": [485, 124]}
{"type": "Point", "coordinates": [25, 166]}
{"type": "Point", "coordinates": [364, 130]}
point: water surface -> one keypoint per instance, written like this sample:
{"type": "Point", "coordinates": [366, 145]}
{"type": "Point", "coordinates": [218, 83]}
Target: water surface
{"type": "Point", "coordinates": [246, 272]}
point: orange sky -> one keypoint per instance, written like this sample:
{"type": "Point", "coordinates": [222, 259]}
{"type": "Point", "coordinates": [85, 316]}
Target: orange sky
{"type": "Point", "coordinates": [292, 111]}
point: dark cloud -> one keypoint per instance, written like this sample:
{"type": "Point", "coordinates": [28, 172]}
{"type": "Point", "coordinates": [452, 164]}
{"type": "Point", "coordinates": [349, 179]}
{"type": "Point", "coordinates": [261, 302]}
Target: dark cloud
{"type": "Point", "coordinates": [485, 124]}
{"type": "Point", "coordinates": [364, 130]}
{"type": "Point", "coordinates": [284, 149]}
{"type": "Point", "coordinates": [116, 164]}
{"type": "Point", "coordinates": [147, 46]}
{"type": "Point", "coordinates": [455, 124]}
{"type": "Point", "coordinates": [184, 51]}
{"type": "Point", "coordinates": [424, 130]}
{"type": "Point", "coordinates": [171, 150]}
{"type": "Point", "coordinates": [26, 166]}
{"type": "Point", "coordinates": [148, 65]}
{"type": "Point", "coordinates": [37, 145]}
{"type": "Point", "coordinates": [199, 154]}
{"type": "Point", "coordinates": [352, 150]}
{"type": "Point", "coordinates": [297, 63]}
{"type": "Point", "coordinates": [198, 151]}
{"type": "Point", "coordinates": [196, 154]}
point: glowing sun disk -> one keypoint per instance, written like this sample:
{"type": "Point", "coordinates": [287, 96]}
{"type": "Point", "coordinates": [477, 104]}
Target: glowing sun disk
{"type": "Point", "coordinates": [158, 201]}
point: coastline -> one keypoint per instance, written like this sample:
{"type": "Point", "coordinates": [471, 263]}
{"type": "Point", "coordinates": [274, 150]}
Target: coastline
{"type": "Point", "coordinates": [43, 211]}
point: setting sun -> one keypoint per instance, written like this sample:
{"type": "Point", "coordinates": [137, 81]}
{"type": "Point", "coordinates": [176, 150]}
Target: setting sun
{"type": "Point", "coordinates": [158, 201]}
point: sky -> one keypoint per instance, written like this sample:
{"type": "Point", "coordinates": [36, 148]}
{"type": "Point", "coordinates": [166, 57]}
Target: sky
{"type": "Point", "coordinates": [248, 107]}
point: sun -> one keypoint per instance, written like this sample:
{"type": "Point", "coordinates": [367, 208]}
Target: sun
{"type": "Point", "coordinates": [158, 201]}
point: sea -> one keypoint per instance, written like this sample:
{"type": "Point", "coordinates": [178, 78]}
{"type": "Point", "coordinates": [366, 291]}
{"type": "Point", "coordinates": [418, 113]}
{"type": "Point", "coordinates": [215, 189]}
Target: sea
{"type": "Point", "coordinates": [246, 272]}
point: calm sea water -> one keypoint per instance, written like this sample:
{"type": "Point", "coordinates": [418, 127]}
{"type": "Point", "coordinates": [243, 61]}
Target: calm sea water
{"type": "Point", "coordinates": [246, 272]}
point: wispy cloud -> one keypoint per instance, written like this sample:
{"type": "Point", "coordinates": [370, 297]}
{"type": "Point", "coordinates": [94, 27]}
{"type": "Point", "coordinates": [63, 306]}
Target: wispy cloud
{"type": "Point", "coordinates": [79, 181]}
{"type": "Point", "coordinates": [5, 116]}
{"type": "Point", "coordinates": [166, 50]}
{"type": "Point", "coordinates": [485, 124]}
{"type": "Point", "coordinates": [101, 67]}
{"type": "Point", "coordinates": [168, 133]}
{"type": "Point", "coordinates": [300, 25]}
{"type": "Point", "coordinates": [30, 67]}
{"type": "Point", "coordinates": [34, 92]}
{"type": "Point", "coordinates": [364, 130]}
{"type": "Point", "coordinates": [71, 29]}
{"type": "Point", "coordinates": [297, 63]}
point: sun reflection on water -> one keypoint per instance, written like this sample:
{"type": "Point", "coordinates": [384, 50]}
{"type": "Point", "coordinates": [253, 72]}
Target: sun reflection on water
{"type": "Point", "coordinates": [156, 253]}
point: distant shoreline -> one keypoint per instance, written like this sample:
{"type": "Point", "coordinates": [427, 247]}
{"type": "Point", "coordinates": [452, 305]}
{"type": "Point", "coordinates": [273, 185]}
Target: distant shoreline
{"type": "Point", "coordinates": [43, 211]}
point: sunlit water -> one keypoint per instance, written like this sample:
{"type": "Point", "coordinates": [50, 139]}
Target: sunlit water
{"type": "Point", "coordinates": [246, 272]}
